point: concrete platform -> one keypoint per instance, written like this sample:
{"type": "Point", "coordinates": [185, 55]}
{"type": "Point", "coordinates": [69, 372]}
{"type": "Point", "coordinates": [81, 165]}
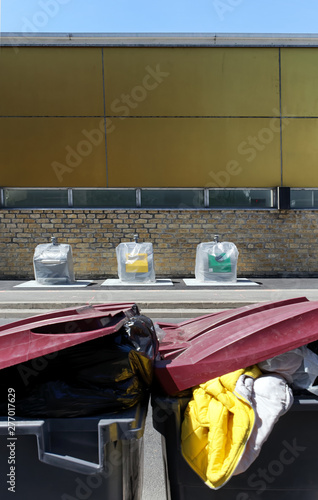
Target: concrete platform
{"type": "Point", "coordinates": [240, 282]}
{"type": "Point", "coordinates": [117, 282]}
{"type": "Point", "coordinates": [35, 284]}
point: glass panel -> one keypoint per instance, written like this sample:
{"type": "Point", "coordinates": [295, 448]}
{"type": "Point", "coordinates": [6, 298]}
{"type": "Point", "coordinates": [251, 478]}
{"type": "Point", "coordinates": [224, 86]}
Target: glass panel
{"type": "Point", "coordinates": [303, 198]}
{"type": "Point", "coordinates": [35, 198]}
{"type": "Point", "coordinates": [241, 198]}
{"type": "Point", "coordinates": [104, 198]}
{"type": "Point", "coordinates": [172, 198]}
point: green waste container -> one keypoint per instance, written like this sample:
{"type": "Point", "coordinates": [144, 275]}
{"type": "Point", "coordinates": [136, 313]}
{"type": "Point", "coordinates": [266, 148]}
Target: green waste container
{"type": "Point", "coordinates": [286, 468]}
{"type": "Point", "coordinates": [73, 458]}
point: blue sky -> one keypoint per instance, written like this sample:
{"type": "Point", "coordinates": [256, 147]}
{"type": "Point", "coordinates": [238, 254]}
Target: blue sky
{"type": "Point", "coordinates": [148, 16]}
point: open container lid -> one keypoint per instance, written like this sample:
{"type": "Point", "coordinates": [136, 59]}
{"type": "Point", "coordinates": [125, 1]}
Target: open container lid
{"type": "Point", "coordinates": [39, 335]}
{"type": "Point", "coordinates": [203, 348]}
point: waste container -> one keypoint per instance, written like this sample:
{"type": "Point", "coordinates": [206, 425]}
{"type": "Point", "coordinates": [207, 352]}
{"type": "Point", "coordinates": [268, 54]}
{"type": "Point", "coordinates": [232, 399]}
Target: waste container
{"type": "Point", "coordinates": [216, 261]}
{"type": "Point", "coordinates": [53, 263]}
{"type": "Point", "coordinates": [135, 262]}
{"type": "Point", "coordinates": [286, 468]}
{"type": "Point", "coordinates": [94, 458]}
{"type": "Point", "coordinates": [201, 349]}
{"type": "Point", "coordinates": [74, 391]}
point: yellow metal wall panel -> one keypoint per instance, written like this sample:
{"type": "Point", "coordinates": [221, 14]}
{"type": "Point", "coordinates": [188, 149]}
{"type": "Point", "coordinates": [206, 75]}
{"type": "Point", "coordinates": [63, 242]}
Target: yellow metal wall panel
{"type": "Point", "coordinates": [54, 81]}
{"type": "Point", "coordinates": [299, 67]}
{"type": "Point", "coordinates": [177, 152]}
{"type": "Point", "coordinates": [300, 153]}
{"type": "Point", "coordinates": [191, 81]}
{"type": "Point", "coordinates": [52, 152]}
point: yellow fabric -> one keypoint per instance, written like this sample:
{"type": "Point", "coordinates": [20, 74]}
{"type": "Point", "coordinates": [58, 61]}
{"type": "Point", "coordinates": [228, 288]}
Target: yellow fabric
{"type": "Point", "coordinates": [216, 427]}
{"type": "Point", "coordinates": [137, 263]}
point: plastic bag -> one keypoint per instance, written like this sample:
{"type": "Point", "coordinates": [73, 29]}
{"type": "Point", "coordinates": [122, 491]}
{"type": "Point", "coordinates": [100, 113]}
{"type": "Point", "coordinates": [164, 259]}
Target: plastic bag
{"type": "Point", "coordinates": [306, 375]}
{"type": "Point", "coordinates": [299, 367]}
{"type": "Point", "coordinates": [160, 333]}
{"type": "Point", "coordinates": [107, 374]}
{"type": "Point", "coordinates": [135, 262]}
{"type": "Point", "coordinates": [216, 261]}
{"type": "Point", "coordinates": [285, 364]}
{"type": "Point", "coordinates": [53, 264]}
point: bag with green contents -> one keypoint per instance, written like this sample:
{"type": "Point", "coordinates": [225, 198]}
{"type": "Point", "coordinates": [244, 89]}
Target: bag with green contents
{"type": "Point", "coordinates": [216, 261]}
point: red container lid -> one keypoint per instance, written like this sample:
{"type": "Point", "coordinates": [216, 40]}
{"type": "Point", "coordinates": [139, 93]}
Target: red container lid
{"type": "Point", "coordinates": [46, 333]}
{"type": "Point", "coordinates": [203, 348]}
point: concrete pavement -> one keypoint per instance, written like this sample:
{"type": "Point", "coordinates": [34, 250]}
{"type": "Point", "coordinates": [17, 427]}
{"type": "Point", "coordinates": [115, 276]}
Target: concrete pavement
{"type": "Point", "coordinates": [174, 301]}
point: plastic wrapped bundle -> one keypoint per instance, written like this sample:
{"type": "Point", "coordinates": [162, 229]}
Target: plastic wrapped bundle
{"type": "Point", "coordinates": [135, 262]}
{"type": "Point", "coordinates": [216, 261]}
{"type": "Point", "coordinates": [53, 263]}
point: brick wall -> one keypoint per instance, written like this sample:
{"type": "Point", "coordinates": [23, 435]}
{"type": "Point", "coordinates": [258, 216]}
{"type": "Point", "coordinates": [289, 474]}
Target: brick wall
{"type": "Point", "coordinates": [271, 243]}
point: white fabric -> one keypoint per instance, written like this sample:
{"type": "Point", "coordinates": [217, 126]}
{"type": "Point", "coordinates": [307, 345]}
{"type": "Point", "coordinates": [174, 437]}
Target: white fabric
{"type": "Point", "coordinates": [271, 397]}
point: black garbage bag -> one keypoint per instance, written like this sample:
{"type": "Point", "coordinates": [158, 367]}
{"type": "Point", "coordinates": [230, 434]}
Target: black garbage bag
{"type": "Point", "coordinates": [104, 375]}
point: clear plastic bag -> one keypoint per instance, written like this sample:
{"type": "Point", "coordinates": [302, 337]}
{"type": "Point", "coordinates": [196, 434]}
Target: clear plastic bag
{"type": "Point", "coordinates": [306, 375]}
{"type": "Point", "coordinates": [299, 367]}
{"type": "Point", "coordinates": [160, 333]}
{"type": "Point", "coordinates": [53, 263]}
{"type": "Point", "coordinates": [285, 364]}
{"type": "Point", "coordinates": [135, 262]}
{"type": "Point", "coordinates": [216, 261]}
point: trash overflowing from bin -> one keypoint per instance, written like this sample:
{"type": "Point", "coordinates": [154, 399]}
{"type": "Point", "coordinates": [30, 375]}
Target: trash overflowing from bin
{"type": "Point", "coordinates": [53, 263]}
{"type": "Point", "coordinates": [78, 362]}
{"type": "Point", "coordinates": [216, 261]}
{"type": "Point", "coordinates": [135, 262]}
{"type": "Point", "coordinates": [235, 374]}
{"type": "Point", "coordinates": [238, 411]}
